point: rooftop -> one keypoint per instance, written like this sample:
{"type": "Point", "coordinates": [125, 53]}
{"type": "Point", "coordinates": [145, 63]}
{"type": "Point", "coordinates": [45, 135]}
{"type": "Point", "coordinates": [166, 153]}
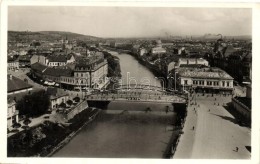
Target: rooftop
{"type": "Point", "coordinates": [16, 84]}
{"type": "Point", "coordinates": [211, 73]}
{"type": "Point", "coordinates": [56, 93]}
{"type": "Point", "coordinates": [38, 67]}
{"type": "Point", "coordinates": [58, 71]}
{"type": "Point", "coordinates": [57, 58]}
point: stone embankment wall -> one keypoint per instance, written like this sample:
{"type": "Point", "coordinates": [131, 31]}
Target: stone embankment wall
{"type": "Point", "coordinates": [75, 110]}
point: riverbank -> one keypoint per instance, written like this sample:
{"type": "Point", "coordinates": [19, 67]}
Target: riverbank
{"type": "Point", "coordinates": [45, 139]}
{"type": "Point", "coordinates": [152, 68]}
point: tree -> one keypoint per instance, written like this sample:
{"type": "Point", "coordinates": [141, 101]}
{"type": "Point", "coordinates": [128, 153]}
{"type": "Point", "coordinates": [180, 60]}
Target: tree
{"type": "Point", "coordinates": [34, 104]}
{"type": "Point", "coordinates": [69, 102]}
{"type": "Point", "coordinates": [76, 99]}
{"type": "Point", "coordinates": [62, 105]}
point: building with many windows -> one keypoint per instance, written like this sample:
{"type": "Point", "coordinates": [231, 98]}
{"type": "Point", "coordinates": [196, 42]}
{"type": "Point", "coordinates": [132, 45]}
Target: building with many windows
{"type": "Point", "coordinates": [12, 113]}
{"type": "Point", "coordinates": [13, 63]}
{"type": "Point", "coordinates": [85, 72]}
{"type": "Point", "coordinates": [213, 80]}
{"type": "Point", "coordinates": [191, 61]}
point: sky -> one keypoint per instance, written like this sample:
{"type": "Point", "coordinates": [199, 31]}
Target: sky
{"type": "Point", "coordinates": [131, 21]}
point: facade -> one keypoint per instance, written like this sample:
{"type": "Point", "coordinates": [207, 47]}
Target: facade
{"type": "Point", "coordinates": [212, 80]}
{"type": "Point", "coordinates": [56, 100]}
{"type": "Point", "coordinates": [88, 72]}
{"type": "Point", "coordinates": [142, 51]}
{"type": "Point", "coordinates": [158, 50]}
{"type": "Point", "coordinates": [39, 58]}
{"type": "Point", "coordinates": [24, 61]}
{"type": "Point", "coordinates": [57, 97]}
{"type": "Point", "coordinates": [12, 113]}
{"type": "Point", "coordinates": [191, 61]}
{"type": "Point", "coordinates": [91, 74]}
{"type": "Point", "coordinates": [240, 66]}
{"type": "Point", "coordinates": [13, 64]}
{"type": "Point", "coordinates": [53, 60]}
{"type": "Point", "coordinates": [59, 60]}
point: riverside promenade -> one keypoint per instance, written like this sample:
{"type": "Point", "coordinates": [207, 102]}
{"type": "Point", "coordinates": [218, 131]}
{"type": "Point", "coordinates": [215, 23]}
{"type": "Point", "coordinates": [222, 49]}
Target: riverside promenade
{"type": "Point", "coordinates": [216, 132]}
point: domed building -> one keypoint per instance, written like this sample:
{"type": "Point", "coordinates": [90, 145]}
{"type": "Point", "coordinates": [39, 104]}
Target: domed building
{"type": "Point", "coordinates": [158, 48]}
{"type": "Point", "coordinates": [158, 43]}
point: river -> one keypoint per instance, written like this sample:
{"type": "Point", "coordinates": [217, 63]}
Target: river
{"type": "Point", "coordinates": [133, 72]}
{"type": "Point", "coordinates": [125, 129]}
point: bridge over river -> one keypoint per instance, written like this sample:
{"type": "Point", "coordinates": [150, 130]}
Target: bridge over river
{"type": "Point", "coordinates": [151, 94]}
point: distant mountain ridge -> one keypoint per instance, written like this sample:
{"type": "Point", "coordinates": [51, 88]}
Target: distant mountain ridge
{"type": "Point", "coordinates": [48, 35]}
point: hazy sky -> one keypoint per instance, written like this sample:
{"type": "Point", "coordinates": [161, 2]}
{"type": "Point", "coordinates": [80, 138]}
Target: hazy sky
{"type": "Point", "coordinates": [131, 22]}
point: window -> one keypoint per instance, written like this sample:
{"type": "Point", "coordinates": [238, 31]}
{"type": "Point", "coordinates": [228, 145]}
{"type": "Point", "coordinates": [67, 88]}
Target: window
{"type": "Point", "coordinates": [227, 83]}
{"type": "Point", "coordinates": [223, 83]}
{"type": "Point", "coordinates": [81, 74]}
{"type": "Point", "coordinates": [185, 82]}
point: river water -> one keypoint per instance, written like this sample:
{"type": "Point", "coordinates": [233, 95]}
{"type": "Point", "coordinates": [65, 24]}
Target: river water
{"type": "Point", "coordinates": [135, 73]}
{"type": "Point", "coordinates": [125, 129]}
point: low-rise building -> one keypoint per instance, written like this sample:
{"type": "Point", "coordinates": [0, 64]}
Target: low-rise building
{"type": "Point", "coordinates": [16, 85]}
{"type": "Point", "coordinates": [57, 97]}
{"type": "Point", "coordinates": [213, 80]}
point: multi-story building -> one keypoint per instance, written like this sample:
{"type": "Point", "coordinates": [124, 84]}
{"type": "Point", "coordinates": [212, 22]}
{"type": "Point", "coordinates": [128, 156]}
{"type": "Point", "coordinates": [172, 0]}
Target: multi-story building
{"type": "Point", "coordinates": [12, 113]}
{"type": "Point", "coordinates": [88, 72]}
{"type": "Point", "coordinates": [13, 63]}
{"type": "Point", "coordinates": [240, 65]}
{"type": "Point", "coordinates": [212, 80]}
{"type": "Point", "coordinates": [24, 61]}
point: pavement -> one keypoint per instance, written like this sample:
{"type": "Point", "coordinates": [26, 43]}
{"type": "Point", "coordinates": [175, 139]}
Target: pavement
{"type": "Point", "coordinates": [216, 134]}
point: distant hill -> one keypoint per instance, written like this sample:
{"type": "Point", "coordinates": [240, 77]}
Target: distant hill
{"type": "Point", "coordinates": [48, 35]}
